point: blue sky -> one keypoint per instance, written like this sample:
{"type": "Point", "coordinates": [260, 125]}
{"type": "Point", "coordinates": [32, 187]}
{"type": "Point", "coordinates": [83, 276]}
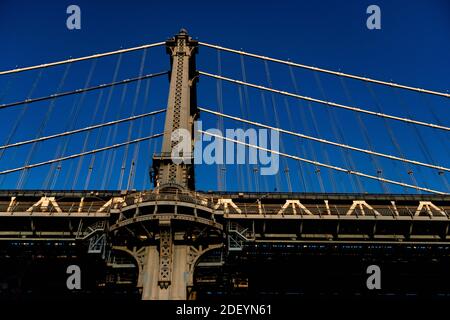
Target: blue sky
{"type": "Point", "coordinates": [412, 48]}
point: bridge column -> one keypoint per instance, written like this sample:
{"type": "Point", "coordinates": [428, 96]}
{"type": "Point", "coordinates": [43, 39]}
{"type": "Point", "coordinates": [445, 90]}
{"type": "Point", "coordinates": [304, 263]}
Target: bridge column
{"type": "Point", "coordinates": [168, 271]}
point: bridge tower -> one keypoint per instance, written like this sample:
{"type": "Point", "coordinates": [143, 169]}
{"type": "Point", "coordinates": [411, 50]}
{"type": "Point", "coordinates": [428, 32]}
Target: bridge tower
{"type": "Point", "coordinates": [167, 266]}
{"type": "Point", "coordinates": [180, 115]}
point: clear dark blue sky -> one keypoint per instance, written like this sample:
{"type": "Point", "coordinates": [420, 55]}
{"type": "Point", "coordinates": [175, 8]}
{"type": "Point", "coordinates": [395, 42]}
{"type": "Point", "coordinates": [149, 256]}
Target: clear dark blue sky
{"type": "Point", "coordinates": [412, 48]}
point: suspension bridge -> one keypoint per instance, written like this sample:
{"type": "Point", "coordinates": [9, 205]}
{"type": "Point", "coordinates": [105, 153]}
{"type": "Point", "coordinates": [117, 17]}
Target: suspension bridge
{"type": "Point", "coordinates": [143, 226]}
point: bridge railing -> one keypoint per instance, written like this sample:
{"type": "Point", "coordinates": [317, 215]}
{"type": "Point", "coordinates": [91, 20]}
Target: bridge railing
{"type": "Point", "coordinates": [333, 210]}
{"type": "Point", "coordinates": [53, 206]}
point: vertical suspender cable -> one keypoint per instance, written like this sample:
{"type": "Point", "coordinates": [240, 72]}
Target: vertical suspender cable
{"type": "Point", "coordinates": [77, 107]}
{"type": "Point", "coordinates": [245, 182]}
{"type": "Point", "coordinates": [324, 150]}
{"type": "Point", "coordinates": [107, 138]}
{"type": "Point", "coordinates": [220, 168]}
{"type": "Point", "coordinates": [147, 153]}
{"type": "Point", "coordinates": [19, 119]}
{"type": "Point", "coordinates": [301, 173]}
{"type": "Point", "coordinates": [277, 122]}
{"type": "Point", "coordinates": [306, 127]}
{"type": "Point", "coordinates": [111, 161]}
{"type": "Point", "coordinates": [245, 112]}
{"type": "Point", "coordinates": [23, 175]}
{"type": "Point", "coordinates": [316, 132]}
{"type": "Point", "coordinates": [267, 120]}
{"type": "Point", "coordinates": [392, 136]}
{"type": "Point", "coordinates": [100, 132]}
{"type": "Point", "coordinates": [86, 140]}
{"type": "Point", "coordinates": [8, 86]}
{"type": "Point", "coordinates": [73, 118]}
{"type": "Point", "coordinates": [130, 126]}
{"type": "Point", "coordinates": [300, 169]}
{"type": "Point", "coordinates": [442, 141]}
{"type": "Point", "coordinates": [156, 146]}
{"type": "Point", "coordinates": [338, 134]}
{"type": "Point", "coordinates": [134, 161]}
{"type": "Point", "coordinates": [422, 145]}
{"type": "Point", "coordinates": [255, 170]}
{"type": "Point", "coordinates": [377, 166]}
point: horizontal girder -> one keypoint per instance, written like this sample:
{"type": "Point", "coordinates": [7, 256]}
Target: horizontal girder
{"type": "Point", "coordinates": [270, 217]}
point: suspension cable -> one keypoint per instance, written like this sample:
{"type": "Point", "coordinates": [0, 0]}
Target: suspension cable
{"type": "Point", "coordinates": [98, 55]}
{"type": "Point", "coordinates": [66, 133]}
{"type": "Point", "coordinates": [324, 164]}
{"type": "Point", "coordinates": [328, 103]}
{"type": "Point", "coordinates": [118, 145]}
{"type": "Point", "coordinates": [336, 73]}
{"type": "Point", "coordinates": [77, 91]}
{"type": "Point", "coordinates": [341, 145]}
